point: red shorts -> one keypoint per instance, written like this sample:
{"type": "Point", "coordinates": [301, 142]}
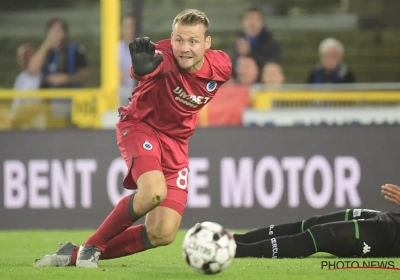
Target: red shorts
{"type": "Point", "coordinates": [145, 149]}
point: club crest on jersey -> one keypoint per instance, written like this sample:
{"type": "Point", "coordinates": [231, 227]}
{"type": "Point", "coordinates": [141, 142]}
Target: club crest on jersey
{"type": "Point", "coordinates": [211, 86]}
{"type": "Point", "coordinates": [147, 146]}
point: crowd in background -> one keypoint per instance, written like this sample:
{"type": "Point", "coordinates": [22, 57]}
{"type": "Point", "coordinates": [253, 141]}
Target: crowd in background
{"type": "Point", "coordinates": [59, 62]}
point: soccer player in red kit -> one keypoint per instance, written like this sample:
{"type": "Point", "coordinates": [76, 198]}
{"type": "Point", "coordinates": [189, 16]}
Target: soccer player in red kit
{"type": "Point", "coordinates": [177, 78]}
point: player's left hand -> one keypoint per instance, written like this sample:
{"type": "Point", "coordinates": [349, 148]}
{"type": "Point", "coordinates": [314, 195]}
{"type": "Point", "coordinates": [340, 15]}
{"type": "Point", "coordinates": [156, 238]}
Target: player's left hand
{"type": "Point", "coordinates": [392, 193]}
{"type": "Point", "coordinates": [57, 79]}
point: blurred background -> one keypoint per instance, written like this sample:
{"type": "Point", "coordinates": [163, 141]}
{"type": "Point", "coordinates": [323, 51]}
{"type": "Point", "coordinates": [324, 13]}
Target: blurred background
{"type": "Point", "coordinates": [64, 63]}
{"type": "Point", "coordinates": [308, 121]}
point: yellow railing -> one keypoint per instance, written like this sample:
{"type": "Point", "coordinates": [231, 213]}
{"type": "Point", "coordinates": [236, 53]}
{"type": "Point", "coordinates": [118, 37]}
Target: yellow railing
{"type": "Point", "coordinates": [88, 105]}
{"type": "Point", "coordinates": [270, 99]}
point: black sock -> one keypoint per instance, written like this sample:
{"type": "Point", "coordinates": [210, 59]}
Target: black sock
{"type": "Point", "coordinates": [268, 232]}
{"type": "Point", "coordinates": [295, 246]}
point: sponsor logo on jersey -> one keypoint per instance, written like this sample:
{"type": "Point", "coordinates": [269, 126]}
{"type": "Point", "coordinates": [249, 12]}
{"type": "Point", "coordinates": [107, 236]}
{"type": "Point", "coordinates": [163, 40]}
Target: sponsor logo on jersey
{"type": "Point", "coordinates": [147, 146]}
{"type": "Point", "coordinates": [366, 248]}
{"type": "Point", "coordinates": [356, 213]}
{"type": "Point", "coordinates": [189, 99]}
{"type": "Point", "coordinates": [211, 86]}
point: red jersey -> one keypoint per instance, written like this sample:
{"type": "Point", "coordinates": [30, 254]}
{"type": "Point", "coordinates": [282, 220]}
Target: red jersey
{"type": "Point", "coordinates": [169, 99]}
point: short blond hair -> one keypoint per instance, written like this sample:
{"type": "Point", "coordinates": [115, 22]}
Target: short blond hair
{"type": "Point", "coordinates": [192, 17]}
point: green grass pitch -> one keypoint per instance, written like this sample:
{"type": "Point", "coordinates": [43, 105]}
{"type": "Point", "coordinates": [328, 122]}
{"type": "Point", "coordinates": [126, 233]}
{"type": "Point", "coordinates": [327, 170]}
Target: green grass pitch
{"type": "Point", "coordinates": [18, 250]}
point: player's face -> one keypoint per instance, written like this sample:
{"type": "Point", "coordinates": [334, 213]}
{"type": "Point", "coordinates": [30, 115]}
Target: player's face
{"type": "Point", "coordinates": [189, 45]}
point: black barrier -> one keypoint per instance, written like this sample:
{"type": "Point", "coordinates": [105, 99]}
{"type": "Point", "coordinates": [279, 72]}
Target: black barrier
{"type": "Point", "coordinates": [240, 177]}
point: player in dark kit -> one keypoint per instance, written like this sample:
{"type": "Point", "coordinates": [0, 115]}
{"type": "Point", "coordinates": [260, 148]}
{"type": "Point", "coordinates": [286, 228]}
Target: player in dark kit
{"type": "Point", "coordinates": [177, 78]}
{"type": "Point", "coordinates": [349, 233]}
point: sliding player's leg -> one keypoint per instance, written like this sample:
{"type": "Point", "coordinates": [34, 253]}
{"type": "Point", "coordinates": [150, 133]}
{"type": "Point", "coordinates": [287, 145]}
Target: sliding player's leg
{"type": "Point", "coordinates": [140, 148]}
{"type": "Point", "coordinates": [155, 232]}
{"type": "Point", "coordinates": [116, 229]}
{"type": "Point", "coordinates": [160, 228]}
{"type": "Point", "coordinates": [163, 222]}
{"type": "Point", "coordinates": [152, 190]}
{"type": "Point", "coordinates": [273, 231]}
{"type": "Point", "coordinates": [342, 239]}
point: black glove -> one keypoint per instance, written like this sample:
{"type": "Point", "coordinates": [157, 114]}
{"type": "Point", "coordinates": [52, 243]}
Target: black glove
{"type": "Point", "coordinates": [142, 54]}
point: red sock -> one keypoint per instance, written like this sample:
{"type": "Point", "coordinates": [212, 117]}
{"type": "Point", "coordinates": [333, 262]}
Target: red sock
{"type": "Point", "coordinates": [131, 241]}
{"type": "Point", "coordinates": [74, 256]}
{"type": "Point", "coordinates": [118, 221]}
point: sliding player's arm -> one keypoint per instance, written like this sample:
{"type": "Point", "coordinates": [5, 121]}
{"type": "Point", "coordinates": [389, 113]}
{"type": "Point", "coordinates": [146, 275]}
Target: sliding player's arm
{"type": "Point", "coordinates": [392, 193]}
{"type": "Point", "coordinates": [146, 61]}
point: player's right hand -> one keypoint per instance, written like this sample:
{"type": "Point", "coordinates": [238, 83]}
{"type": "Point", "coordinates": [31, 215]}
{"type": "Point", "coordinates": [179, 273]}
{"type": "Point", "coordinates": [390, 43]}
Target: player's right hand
{"type": "Point", "coordinates": [144, 60]}
{"type": "Point", "coordinates": [392, 193]}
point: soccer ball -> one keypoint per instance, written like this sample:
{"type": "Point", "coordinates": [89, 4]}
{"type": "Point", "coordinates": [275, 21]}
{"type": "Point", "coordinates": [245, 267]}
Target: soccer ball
{"type": "Point", "coordinates": [209, 248]}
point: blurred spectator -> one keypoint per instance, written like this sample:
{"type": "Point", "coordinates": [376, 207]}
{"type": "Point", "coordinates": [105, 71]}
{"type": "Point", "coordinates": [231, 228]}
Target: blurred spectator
{"type": "Point", "coordinates": [128, 35]}
{"type": "Point", "coordinates": [26, 80]}
{"type": "Point", "coordinates": [331, 68]}
{"type": "Point", "coordinates": [255, 39]}
{"type": "Point", "coordinates": [27, 113]}
{"type": "Point", "coordinates": [63, 65]}
{"type": "Point", "coordinates": [272, 75]}
{"type": "Point", "coordinates": [248, 70]}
